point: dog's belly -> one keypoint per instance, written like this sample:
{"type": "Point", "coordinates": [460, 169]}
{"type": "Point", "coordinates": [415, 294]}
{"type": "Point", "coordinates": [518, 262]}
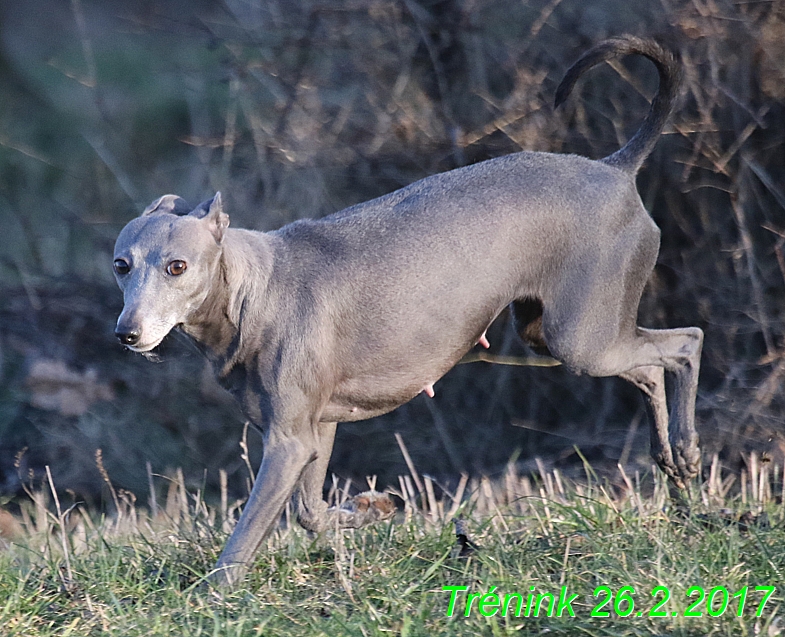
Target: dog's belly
{"type": "Point", "coordinates": [372, 394]}
{"type": "Point", "coordinates": [363, 398]}
{"type": "Point", "coordinates": [337, 412]}
{"type": "Point", "coordinates": [406, 362]}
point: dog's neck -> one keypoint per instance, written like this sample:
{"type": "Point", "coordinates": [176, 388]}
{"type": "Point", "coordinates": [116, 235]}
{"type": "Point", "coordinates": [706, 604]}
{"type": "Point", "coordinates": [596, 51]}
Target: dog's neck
{"type": "Point", "coordinates": [239, 280]}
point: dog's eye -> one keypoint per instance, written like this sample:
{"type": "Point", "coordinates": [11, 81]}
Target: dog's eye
{"type": "Point", "coordinates": [121, 266]}
{"type": "Point", "coordinates": [176, 267]}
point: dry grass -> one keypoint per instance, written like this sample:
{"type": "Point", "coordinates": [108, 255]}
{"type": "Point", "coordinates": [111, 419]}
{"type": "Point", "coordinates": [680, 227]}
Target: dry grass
{"type": "Point", "coordinates": [298, 109]}
{"type": "Point", "coordinates": [138, 572]}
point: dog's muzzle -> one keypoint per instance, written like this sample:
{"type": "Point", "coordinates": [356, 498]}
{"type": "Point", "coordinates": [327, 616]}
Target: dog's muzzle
{"type": "Point", "coordinates": [129, 338]}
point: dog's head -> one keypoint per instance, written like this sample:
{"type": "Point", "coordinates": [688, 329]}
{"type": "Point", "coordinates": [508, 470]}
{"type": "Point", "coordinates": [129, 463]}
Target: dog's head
{"type": "Point", "coordinates": [164, 262]}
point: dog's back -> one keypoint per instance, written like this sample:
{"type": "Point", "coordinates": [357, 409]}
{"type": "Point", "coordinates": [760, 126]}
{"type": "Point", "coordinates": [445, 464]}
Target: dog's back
{"type": "Point", "coordinates": [438, 232]}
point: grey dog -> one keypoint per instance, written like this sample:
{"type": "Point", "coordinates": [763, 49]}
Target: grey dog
{"type": "Point", "coordinates": [347, 317]}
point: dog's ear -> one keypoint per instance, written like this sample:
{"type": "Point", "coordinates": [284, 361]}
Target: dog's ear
{"type": "Point", "coordinates": [212, 211]}
{"type": "Point", "coordinates": [168, 204]}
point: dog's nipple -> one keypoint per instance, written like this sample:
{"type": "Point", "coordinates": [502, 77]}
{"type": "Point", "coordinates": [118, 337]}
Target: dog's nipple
{"type": "Point", "coordinates": [429, 390]}
{"type": "Point", "coordinates": [484, 341]}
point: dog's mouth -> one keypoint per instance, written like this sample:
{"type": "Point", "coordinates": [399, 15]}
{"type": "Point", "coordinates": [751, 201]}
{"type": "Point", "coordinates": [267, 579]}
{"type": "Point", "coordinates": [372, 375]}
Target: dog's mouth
{"type": "Point", "coordinates": [142, 349]}
{"type": "Point", "coordinates": [145, 348]}
{"type": "Point", "coordinates": [146, 351]}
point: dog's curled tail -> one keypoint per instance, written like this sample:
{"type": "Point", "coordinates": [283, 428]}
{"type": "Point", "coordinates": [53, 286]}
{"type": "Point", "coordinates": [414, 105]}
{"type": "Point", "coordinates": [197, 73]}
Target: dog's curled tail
{"type": "Point", "coordinates": [632, 155]}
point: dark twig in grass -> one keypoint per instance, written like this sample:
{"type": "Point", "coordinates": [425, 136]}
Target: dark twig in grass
{"type": "Point", "coordinates": [465, 545]}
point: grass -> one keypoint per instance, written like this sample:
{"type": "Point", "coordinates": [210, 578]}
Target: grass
{"type": "Point", "coordinates": [300, 109]}
{"type": "Point", "coordinates": [139, 574]}
{"type": "Point", "coordinates": [297, 109]}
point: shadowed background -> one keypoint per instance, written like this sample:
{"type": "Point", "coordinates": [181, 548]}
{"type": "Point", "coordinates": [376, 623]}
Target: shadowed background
{"type": "Point", "coordinates": [298, 109]}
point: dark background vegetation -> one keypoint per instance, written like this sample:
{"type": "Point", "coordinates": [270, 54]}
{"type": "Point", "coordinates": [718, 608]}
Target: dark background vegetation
{"type": "Point", "coordinates": [298, 109]}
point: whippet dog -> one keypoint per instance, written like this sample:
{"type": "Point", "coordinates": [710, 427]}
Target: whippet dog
{"type": "Point", "coordinates": [347, 317]}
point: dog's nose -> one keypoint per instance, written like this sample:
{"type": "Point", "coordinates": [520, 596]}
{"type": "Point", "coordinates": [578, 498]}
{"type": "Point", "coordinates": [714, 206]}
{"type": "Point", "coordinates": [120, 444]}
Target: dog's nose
{"type": "Point", "coordinates": [127, 338]}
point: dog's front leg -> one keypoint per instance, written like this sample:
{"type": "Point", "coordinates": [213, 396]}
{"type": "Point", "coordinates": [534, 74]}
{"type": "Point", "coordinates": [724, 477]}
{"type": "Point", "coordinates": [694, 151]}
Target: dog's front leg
{"type": "Point", "coordinates": [311, 507]}
{"type": "Point", "coordinates": [313, 512]}
{"type": "Point", "coordinates": [285, 458]}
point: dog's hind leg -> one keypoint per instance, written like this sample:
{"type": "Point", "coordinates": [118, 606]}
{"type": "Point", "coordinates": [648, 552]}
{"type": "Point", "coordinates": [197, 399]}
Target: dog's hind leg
{"type": "Point", "coordinates": [313, 513]}
{"type": "Point", "coordinates": [680, 351]}
{"type": "Point", "coordinates": [642, 358]}
{"type": "Point", "coordinates": [651, 381]}
{"type": "Point", "coordinates": [589, 325]}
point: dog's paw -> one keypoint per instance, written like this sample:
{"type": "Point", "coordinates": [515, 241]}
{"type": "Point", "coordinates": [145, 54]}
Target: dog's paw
{"type": "Point", "coordinates": [688, 460]}
{"type": "Point", "coordinates": [682, 466]}
{"type": "Point", "coordinates": [674, 475]}
{"type": "Point", "coordinates": [365, 508]}
{"type": "Point", "coordinates": [663, 456]}
{"type": "Point", "coordinates": [679, 458]}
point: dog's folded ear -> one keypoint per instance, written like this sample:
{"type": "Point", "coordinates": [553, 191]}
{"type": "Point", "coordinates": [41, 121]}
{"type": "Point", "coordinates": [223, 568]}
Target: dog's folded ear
{"type": "Point", "coordinates": [168, 204]}
{"type": "Point", "coordinates": [212, 211]}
